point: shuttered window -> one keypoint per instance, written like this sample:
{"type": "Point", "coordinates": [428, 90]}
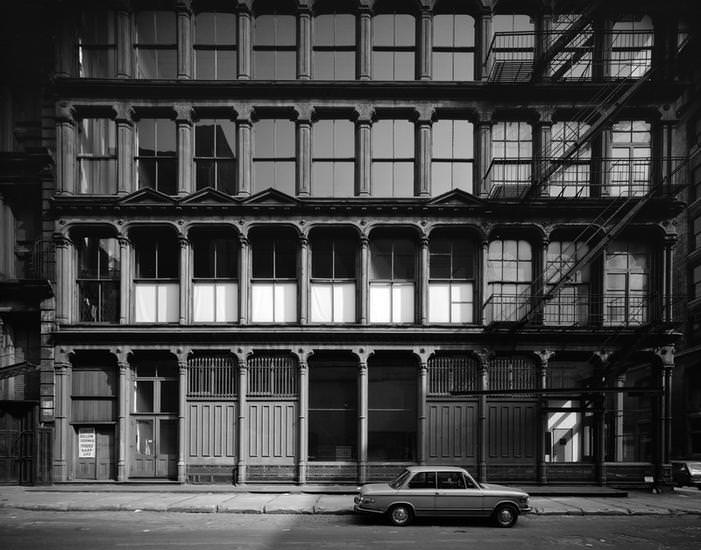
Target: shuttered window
{"type": "Point", "coordinates": [272, 376]}
{"type": "Point", "coordinates": [212, 376]}
{"type": "Point", "coordinates": [452, 374]}
{"type": "Point", "coordinates": [93, 394]}
{"type": "Point", "coordinates": [512, 373]}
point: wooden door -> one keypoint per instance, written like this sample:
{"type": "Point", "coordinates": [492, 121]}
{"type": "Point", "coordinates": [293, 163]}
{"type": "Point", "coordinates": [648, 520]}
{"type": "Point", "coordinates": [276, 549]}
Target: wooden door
{"type": "Point", "coordinates": [101, 465]}
{"type": "Point", "coordinates": [16, 444]}
{"type": "Point", "coordinates": [154, 447]}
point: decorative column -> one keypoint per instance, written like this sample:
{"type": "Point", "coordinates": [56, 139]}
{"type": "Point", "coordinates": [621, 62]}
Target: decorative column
{"type": "Point", "coordinates": [304, 37]}
{"type": "Point", "coordinates": [486, 316]}
{"type": "Point", "coordinates": [244, 146]}
{"type": "Point", "coordinates": [664, 445]}
{"type": "Point", "coordinates": [66, 61]}
{"type": "Point", "coordinates": [422, 166]}
{"type": "Point", "coordinates": [667, 316]}
{"type": "Point", "coordinates": [303, 294]}
{"type": "Point", "coordinates": [543, 24]}
{"type": "Point", "coordinates": [599, 359]}
{"type": "Point", "coordinates": [364, 266]}
{"type": "Point", "coordinates": [122, 415]}
{"type": "Point", "coordinates": [302, 425]}
{"type": "Point", "coordinates": [124, 40]}
{"type": "Point", "coordinates": [185, 279]}
{"type": "Point", "coordinates": [618, 420]}
{"type": "Point", "coordinates": [363, 155]}
{"type": "Point", "coordinates": [422, 410]}
{"type": "Point", "coordinates": [543, 358]}
{"type": "Point", "coordinates": [484, 152]}
{"type": "Point", "coordinates": [483, 357]}
{"type": "Point", "coordinates": [423, 280]}
{"type": "Point", "coordinates": [125, 148]}
{"type": "Point", "coordinates": [243, 50]}
{"type": "Point", "coordinates": [363, 415]}
{"type": "Point", "coordinates": [242, 417]}
{"type": "Point", "coordinates": [425, 44]}
{"type": "Point", "coordinates": [364, 61]}
{"type": "Point", "coordinates": [61, 425]}
{"type": "Point", "coordinates": [124, 279]}
{"type": "Point", "coordinates": [483, 41]}
{"type": "Point", "coordinates": [7, 251]}
{"type": "Point", "coordinates": [183, 13]}
{"type": "Point", "coordinates": [666, 132]}
{"type": "Point", "coordinates": [64, 269]}
{"type": "Point", "coordinates": [183, 121]}
{"type": "Point", "coordinates": [304, 150]}
{"type": "Point", "coordinates": [243, 279]}
{"type": "Point", "coordinates": [182, 403]}
{"type": "Point", "coordinates": [542, 150]}
{"type": "Point", "coordinates": [65, 149]}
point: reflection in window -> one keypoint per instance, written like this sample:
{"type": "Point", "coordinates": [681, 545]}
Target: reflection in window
{"type": "Point", "coordinates": [453, 156]}
{"type": "Point", "coordinates": [155, 44]}
{"type": "Point", "coordinates": [156, 159]}
{"type": "Point", "coordinates": [393, 46]}
{"type": "Point", "coordinates": [453, 47]}
{"type": "Point", "coordinates": [392, 280]}
{"type": "Point", "coordinates": [333, 158]}
{"type": "Point", "coordinates": [97, 156]}
{"type": "Point", "coordinates": [274, 155]}
{"type": "Point", "coordinates": [274, 284]}
{"type": "Point", "coordinates": [392, 158]}
{"type": "Point", "coordinates": [333, 280]}
{"type": "Point", "coordinates": [334, 46]}
{"type": "Point", "coordinates": [156, 288]}
{"type": "Point", "coordinates": [509, 275]}
{"type": "Point", "coordinates": [275, 47]}
{"type": "Point", "coordinates": [215, 144]}
{"type": "Point", "coordinates": [98, 279]}
{"type": "Point", "coordinates": [97, 44]}
{"type": "Point", "coordinates": [215, 46]}
{"type": "Point", "coordinates": [451, 280]}
{"type": "Point", "coordinates": [215, 274]}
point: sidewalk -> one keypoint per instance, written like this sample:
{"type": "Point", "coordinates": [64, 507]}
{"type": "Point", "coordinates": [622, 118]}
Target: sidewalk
{"type": "Point", "coordinates": [227, 499]}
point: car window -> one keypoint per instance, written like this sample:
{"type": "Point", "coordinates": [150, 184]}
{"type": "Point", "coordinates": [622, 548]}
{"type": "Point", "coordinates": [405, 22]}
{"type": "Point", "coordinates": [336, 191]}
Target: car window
{"type": "Point", "coordinates": [423, 480]}
{"type": "Point", "coordinates": [469, 483]}
{"type": "Point", "coordinates": [398, 481]}
{"type": "Point", "coordinates": [451, 480]}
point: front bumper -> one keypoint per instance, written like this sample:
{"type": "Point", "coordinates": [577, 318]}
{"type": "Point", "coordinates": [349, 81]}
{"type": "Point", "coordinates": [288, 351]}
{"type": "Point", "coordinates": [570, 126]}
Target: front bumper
{"type": "Point", "coordinates": [365, 508]}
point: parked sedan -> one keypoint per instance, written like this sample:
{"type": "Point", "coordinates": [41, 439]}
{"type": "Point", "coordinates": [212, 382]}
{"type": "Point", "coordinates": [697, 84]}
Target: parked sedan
{"type": "Point", "coordinates": [686, 472]}
{"type": "Point", "coordinates": [441, 491]}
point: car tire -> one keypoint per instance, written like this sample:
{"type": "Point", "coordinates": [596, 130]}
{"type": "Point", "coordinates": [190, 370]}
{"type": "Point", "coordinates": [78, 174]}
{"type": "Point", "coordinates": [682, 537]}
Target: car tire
{"type": "Point", "coordinates": [400, 515]}
{"type": "Point", "coordinates": [505, 515]}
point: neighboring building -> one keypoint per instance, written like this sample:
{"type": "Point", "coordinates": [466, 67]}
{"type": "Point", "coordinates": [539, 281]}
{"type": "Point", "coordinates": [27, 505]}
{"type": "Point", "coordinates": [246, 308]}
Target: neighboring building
{"type": "Point", "coordinates": [308, 241]}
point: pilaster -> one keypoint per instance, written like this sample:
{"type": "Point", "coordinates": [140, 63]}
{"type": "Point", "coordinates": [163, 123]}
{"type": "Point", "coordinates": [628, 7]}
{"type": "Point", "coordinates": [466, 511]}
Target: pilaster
{"type": "Point", "coordinates": [124, 279]}
{"type": "Point", "coordinates": [183, 122]}
{"type": "Point", "coordinates": [182, 404]}
{"type": "Point", "coordinates": [124, 122]}
{"type": "Point", "coordinates": [364, 42]}
{"type": "Point", "coordinates": [425, 44]}
{"type": "Point", "coordinates": [242, 356]}
{"type": "Point", "coordinates": [364, 266]}
{"type": "Point", "coordinates": [304, 43]}
{"type": "Point", "coordinates": [61, 427]}
{"type": "Point", "coordinates": [483, 356]}
{"type": "Point", "coordinates": [304, 150]}
{"type": "Point", "coordinates": [303, 294]}
{"type": "Point", "coordinates": [65, 149]}
{"type": "Point", "coordinates": [363, 136]}
{"type": "Point", "coordinates": [124, 41]}
{"type": "Point", "coordinates": [244, 45]}
{"type": "Point", "coordinates": [363, 355]}
{"type": "Point", "coordinates": [423, 279]}
{"type": "Point", "coordinates": [302, 358]}
{"type": "Point", "coordinates": [423, 152]}
{"type": "Point", "coordinates": [64, 269]}
{"type": "Point", "coordinates": [484, 152]}
{"type": "Point", "coordinates": [183, 13]}
{"type": "Point", "coordinates": [243, 279]}
{"type": "Point", "coordinates": [185, 279]}
{"type": "Point", "coordinates": [244, 144]}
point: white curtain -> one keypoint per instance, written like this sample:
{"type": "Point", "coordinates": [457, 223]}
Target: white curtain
{"type": "Point", "coordinates": [333, 302]}
{"type": "Point", "coordinates": [215, 302]}
{"type": "Point", "coordinates": [274, 302]}
{"type": "Point", "coordinates": [156, 302]}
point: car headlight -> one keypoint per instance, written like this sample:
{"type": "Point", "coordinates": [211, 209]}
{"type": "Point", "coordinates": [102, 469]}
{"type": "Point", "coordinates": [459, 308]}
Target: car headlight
{"type": "Point", "coordinates": [367, 500]}
{"type": "Point", "coordinates": [523, 501]}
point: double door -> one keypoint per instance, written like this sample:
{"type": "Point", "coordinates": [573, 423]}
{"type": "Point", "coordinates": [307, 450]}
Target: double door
{"type": "Point", "coordinates": [154, 447]}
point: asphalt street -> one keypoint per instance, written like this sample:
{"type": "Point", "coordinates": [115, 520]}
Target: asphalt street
{"type": "Point", "coordinates": [32, 530]}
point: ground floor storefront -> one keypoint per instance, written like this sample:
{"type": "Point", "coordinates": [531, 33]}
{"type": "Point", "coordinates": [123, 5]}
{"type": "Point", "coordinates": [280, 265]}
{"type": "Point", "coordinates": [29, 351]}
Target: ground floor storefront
{"type": "Point", "coordinates": [325, 415]}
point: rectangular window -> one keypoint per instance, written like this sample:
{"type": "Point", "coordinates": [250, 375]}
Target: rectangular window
{"type": "Point", "coordinates": [629, 165]}
{"type": "Point", "coordinates": [393, 46]}
{"type": "Point", "coordinates": [573, 60]}
{"type": "Point", "coordinates": [333, 158]}
{"type": "Point", "coordinates": [274, 284]}
{"type": "Point", "coordinates": [392, 285]}
{"type": "Point", "coordinates": [451, 281]}
{"type": "Point", "coordinates": [452, 374]}
{"type": "Point", "coordinates": [510, 171]}
{"type": "Point", "coordinates": [155, 44]}
{"type": "Point", "coordinates": [453, 47]}
{"type": "Point", "coordinates": [334, 46]}
{"type": "Point", "coordinates": [631, 47]}
{"type": "Point", "coordinates": [156, 158]}
{"type": "Point", "coordinates": [333, 415]}
{"type": "Point", "coordinates": [215, 285]}
{"type": "Point", "coordinates": [97, 44]}
{"type": "Point", "coordinates": [570, 304]}
{"type": "Point", "coordinates": [571, 176]}
{"type": "Point", "coordinates": [509, 272]}
{"type": "Point", "coordinates": [626, 284]}
{"type": "Point", "coordinates": [272, 375]}
{"type": "Point", "coordinates": [274, 156]}
{"type": "Point", "coordinates": [392, 158]}
{"type": "Point", "coordinates": [215, 46]}
{"type": "Point", "coordinates": [333, 280]}
{"type": "Point", "coordinates": [696, 232]}
{"type": "Point", "coordinates": [156, 286]}
{"type": "Point", "coordinates": [93, 394]}
{"type": "Point", "coordinates": [696, 281]}
{"type": "Point", "coordinates": [98, 279]}
{"type": "Point", "coordinates": [215, 146]}
{"type": "Point", "coordinates": [512, 49]}
{"type": "Point", "coordinates": [453, 156]}
{"type": "Point", "coordinates": [212, 376]}
{"type": "Point", "coordinates": [275, 47]}
{"type": "Point", "coordinates": [97, 156]}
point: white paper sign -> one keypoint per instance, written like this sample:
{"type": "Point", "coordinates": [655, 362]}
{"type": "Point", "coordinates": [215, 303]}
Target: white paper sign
{"type": "Point", "coordinates": [86, 443]}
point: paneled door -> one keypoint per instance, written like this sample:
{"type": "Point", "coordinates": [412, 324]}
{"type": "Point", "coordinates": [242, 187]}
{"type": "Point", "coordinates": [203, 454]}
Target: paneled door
{"type": "Point", "coordinates": [154, 447]}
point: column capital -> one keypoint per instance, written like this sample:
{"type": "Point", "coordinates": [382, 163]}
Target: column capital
{"type": "Point", "coordinates": [484, 355]}
{"type": "Point", "coordinates": [424, 114]}
{"type": "Point", "coordinates": [61, 240]}
{"type": "Point", "coordinates": [363, 355]}
{"type": "Point", "coordinates": [485, 117]}
{"type": "Point", "coordinates": [666, 355]}
{"type": "Point", "coordinates": [183, 241]}
{"type": "Point", "coordinates": [183, 113]}
{"type": "Point", "coordinates": [545, 115]}
{"type": "Point", "coordinates": [602, 355]}
{"type": "Point", "coordinates": [183, 5]}
{"type": "Point", "coordinates": [543, 356]}
{"type": "Point", "coordinates": [65, 112]}
{"type": "Point", "coordinates": [364, 114]}
{"type": "Point", "coordinates": [423, 354]}
{"type": "Point", "coordinates": [123, 113]}
{"type": "Point", "coordinates": [304, 7]}
{"type": "Point", "coordinates": [364, 241]}
{"type": "Point", "coordinates": [243, 112]}
{"type": "Point", "coordinates": [123, 240]}
{"type": "Point", "coordinates": [304, 113]}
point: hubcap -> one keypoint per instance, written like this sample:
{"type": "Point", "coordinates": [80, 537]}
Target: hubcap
{"type": "Point", "coordinates": [400, 515]}
{"type": "Point", "coordinates": [505, 515]}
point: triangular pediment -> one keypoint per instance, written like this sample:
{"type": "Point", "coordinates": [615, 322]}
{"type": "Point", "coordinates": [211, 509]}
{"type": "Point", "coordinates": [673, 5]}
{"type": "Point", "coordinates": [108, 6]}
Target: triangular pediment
{"type": "Point", "coordinates": [456, 197]}
{"type": "Point", "coordinates": [147, 196]}
{"type": "Point", "coordinates": [271, 197]}
{"type": "Point", "coordinates": [209, 196]}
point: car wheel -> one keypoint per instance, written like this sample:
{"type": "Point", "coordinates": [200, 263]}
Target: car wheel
{"type": "Point", "coordinates": [505, 515]}
{"type": "Point", "coordinates": [401, 515]}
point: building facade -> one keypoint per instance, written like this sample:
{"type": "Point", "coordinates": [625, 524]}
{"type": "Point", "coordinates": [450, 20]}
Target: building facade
{"type": "Point", "coordinates": [317, 241]}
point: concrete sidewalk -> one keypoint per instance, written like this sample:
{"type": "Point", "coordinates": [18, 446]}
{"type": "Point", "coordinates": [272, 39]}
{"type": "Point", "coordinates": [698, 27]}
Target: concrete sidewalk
{"type": "Point", "coordinates": [227, 499]}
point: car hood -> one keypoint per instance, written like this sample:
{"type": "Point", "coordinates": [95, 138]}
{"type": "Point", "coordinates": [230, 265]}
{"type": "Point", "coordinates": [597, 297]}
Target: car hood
{"type": "Point", "coordinates": [375, 488]}
{"type": "Point", "coordinates": [495, 487]}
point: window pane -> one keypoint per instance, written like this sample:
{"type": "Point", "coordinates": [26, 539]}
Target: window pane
{"type": "Point", "coordinates": [204, 139]}
{"type": "Point", "coordinates": [144, 396]}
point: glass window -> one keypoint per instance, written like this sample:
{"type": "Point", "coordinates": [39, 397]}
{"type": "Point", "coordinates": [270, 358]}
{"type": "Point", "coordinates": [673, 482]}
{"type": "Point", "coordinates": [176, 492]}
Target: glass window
{"type": "Point", "coordinates": [98, 279]}
{"type": "Point", "coordinates": [509, 275]}
{"type": "Point", "coordinates": [392, 420]}
{"type": "Point", "coordinates": [573, 60]}
{"type": "Point", "coordinates": [155, 44]}
{"type": "Point", "coordinates": [392, 273]}
{"type": "Point", "coordinates": [453, 47]}
{"type": "Point", "coordinates": [215, 274]}
{"type": "Point", "coordinates": [97, 44]}
{"type": "Point", "coordinates": [571, 176]}
{"type": "Point", "coordinates": [333, 279]}
{"type": "Point", "coordinates": [334, 46]}
{"type": "Point", "coordinates": [156, 158]}
{"type": "Point", "coordinates": [97, 156]}
{"type": "Point", "coordinates": [215, 146]}
{"type": "Point", "coordinates": [393, 158]}
{"type": "Point", "coordinates": [570, 304]}
{"type": "Point", "coordinates": [393, 46]}
{"type": "Point", "coordinates": [333, 415]}
{"type": "Point", "coordinates": [333, 158]}
{"type": "Point", "coordinates": [156, 292]}
{"type": "Point", "coordinates": [451, 280]}
{"type": "Point", "coordinates": [631, 46]}
{"type": "Point", "coordinates": [275, 47]}
{"type": "Point", "coordinates": [629, 165]}
{"type": "Point", "coordinates": [274, 284]}
{"type": "Point", "coordinates": [510, 171]}
{"type": "Point", "coordinates": [453, 156]}
{"type": "Point", "coordinates": [215, 46]}
{"type": "Point", "coordinates": [274, 155]}
{"type": "Point", "coordinates": [626, 283]}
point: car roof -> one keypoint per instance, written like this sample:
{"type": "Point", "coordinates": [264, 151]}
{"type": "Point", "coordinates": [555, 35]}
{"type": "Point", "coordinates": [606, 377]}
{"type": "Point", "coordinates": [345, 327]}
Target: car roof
{"type": "Point", "coordinates": [415, 469]}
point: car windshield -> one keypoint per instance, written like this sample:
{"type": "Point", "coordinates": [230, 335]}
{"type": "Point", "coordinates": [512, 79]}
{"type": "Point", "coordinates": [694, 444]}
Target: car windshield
{"type": "Point", "coordinates": [398, 481]}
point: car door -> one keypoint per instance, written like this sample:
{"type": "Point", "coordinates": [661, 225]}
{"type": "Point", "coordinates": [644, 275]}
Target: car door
{"type": "Point", "coordinates": [420, 491]}
{"type": "Point", "coordinates": [457, 495]}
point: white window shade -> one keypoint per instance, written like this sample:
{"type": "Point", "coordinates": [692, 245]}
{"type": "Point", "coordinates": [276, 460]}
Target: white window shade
{"type": "Point", "coordinates": [392, 303]}
{"type": "Point", "coordinates": [333, 302]}
{"type": "Point", "coordinates": [215, 302]}
{"type": "Point", "coordinates": [450, 302]}
{"type": "Point", "coordinates": [274, 302]}
{"type": "Point", "coordinates": [380, 303]}
{"type": "Point", "coordinates": [156, 302]}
